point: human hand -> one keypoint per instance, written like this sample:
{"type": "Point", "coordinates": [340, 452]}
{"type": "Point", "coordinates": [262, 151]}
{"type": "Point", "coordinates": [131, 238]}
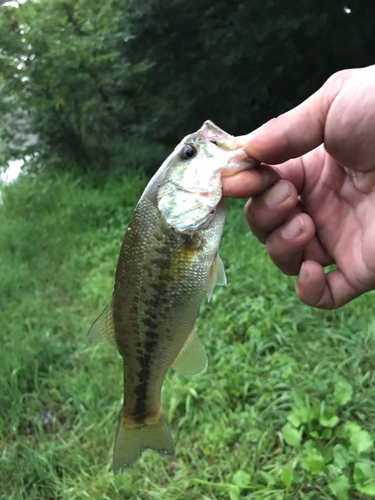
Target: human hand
{"type": "Point", "coordinates": [315, 205]}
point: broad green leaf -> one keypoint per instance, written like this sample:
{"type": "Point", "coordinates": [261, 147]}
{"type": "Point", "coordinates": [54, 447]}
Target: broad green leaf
{"type": "Point", "coordinates": [292, 436]}
{"type": "Point", "coordinates": [313, 461]}
{"type": "Point", "coordinates": [234, 492]}
{"type": "Point", "coordinates": [362, 471]}
{"type": "Point", "coordinates": [367, 489]}
{"type": "Point", "coordinates": [343, 392]}
{"type": "Point", "coordinates": [364, 477]}
{"type": "Point", "coordinates": [287, 476]}
{"type": "Point", "coordinates": [302, 414]}
{"type": "Point", "coordinates": [242, 479]}
{"type": "Point", "coordinates": [341, 456]}
{"type": "Point", "coordinates": [329, 418]}
{"type": "Point", "coordinates": [327, 453]}
{"type": "Point", "coordinates": [340, 487]}
{"type": "Point", "coordinates": [327, 433]}
{"type": "Point", "coordinates": [346, 430]}
{"type": "Point", "coordinates": [361, 442]}
{"type": "Point", "coordinates": [294, 417]}
{"type": "Point", "coordinates": [333, 472]}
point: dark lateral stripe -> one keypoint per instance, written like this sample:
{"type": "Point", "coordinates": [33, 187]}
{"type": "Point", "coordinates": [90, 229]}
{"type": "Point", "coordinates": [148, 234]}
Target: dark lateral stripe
{"type": "Point", "coordinates": [143, 376]}
{"type": "Point", "coordinates": [156, 305]}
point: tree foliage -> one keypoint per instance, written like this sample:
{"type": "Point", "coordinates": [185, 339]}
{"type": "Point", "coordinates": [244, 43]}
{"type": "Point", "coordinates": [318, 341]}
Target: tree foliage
{"type": "Point", "coordinates": [114, 83]}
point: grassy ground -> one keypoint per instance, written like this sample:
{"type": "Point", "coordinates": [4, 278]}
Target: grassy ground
{"type": "Point", "coordinates": [286, 409]}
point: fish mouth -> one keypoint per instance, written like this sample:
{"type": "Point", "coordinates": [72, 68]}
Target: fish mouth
{"type": "Point", "coordinates": [212, 133]}
{"type": "Point", "coordinates": [238, 160]}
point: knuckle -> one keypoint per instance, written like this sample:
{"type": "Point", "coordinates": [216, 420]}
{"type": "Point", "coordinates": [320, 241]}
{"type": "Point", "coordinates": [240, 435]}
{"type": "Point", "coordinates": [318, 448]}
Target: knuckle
{"type": "Point", "coordinates": [339, 78]}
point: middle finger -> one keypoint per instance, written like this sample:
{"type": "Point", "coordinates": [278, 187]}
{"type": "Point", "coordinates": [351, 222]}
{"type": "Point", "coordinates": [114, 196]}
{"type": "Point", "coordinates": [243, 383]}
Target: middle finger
{"type": "Point", "coordinates": [266, 212]}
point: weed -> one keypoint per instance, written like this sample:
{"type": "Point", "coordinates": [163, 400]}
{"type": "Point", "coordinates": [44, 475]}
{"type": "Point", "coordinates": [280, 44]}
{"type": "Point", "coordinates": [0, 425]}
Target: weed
{"type": "Point", "coordinates": [285, 410]}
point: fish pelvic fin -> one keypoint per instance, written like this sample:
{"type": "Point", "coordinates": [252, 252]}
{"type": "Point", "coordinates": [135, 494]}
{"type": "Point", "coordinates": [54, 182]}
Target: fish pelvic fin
{"type": "Point", "coordinates": [132, 439]}
{"type": "Point", "coordinates": [216, 276]}
{"type": "Point", "coordinates": [192, 359]}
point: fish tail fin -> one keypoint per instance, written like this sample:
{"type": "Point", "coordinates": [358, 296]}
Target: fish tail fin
{"type": "Point", "coordinates": [132, 440]}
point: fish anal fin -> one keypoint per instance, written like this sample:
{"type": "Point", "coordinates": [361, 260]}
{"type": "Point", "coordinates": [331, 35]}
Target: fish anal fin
{"type": "Point", "coordinates": [192, 358]}
{"type": "Point", "coordinates": [133, 439]}
{"type": "Point", "coordinates": [103, 329]}
{"type": "Point", "coordinates": [216, 276]}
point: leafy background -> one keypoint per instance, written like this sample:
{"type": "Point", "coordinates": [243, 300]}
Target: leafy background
{"type": "Point", "coordinates": [114, 84]}
{"type": "Point", "coordinates": [93, 95]}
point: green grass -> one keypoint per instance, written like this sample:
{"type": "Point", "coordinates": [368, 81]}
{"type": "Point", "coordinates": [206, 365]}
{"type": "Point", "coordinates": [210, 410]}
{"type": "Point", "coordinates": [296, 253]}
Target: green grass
{"type": "Point", "coordinates": [267, 420]}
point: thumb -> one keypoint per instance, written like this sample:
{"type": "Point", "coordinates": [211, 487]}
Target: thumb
{"type": "Point", "coordinates": [296, 132]}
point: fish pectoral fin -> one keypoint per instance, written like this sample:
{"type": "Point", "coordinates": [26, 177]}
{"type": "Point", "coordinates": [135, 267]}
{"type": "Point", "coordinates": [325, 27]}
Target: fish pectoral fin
{"type": "Point", "coordinates": [216, 276]}
{"type": "Point", "coordinates": [103, 329]}
{"type": "Point", "coordinates": [192, 358]}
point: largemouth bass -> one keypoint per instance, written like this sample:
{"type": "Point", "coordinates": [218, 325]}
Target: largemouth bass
{"type": "Point", "coordinates": [168, 261]}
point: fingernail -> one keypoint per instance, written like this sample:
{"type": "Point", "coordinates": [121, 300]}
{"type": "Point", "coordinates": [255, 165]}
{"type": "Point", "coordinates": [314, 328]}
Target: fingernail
{"type": "Point", "coordinates": [293, 229]}
{"type": "Point", "coordinates": [277, 194]}
{"type": "Point", "coordinates": [302, 274]}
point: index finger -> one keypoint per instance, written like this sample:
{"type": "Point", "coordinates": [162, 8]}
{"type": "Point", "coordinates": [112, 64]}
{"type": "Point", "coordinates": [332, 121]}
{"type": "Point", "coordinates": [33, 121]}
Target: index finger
{"type": "Point", "coordinates": [250, 182]}
{"type": "Point", "coordinates": [296, 132]}
{"type": "Point", "coordinates": [253, 182]}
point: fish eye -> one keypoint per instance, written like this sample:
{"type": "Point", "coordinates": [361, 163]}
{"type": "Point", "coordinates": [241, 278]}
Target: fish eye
{"type": "Point", "coordinates": [187, 152]}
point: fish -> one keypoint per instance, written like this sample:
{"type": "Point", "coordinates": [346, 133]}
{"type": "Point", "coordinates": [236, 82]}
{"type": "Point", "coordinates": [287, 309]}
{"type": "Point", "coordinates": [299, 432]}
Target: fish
{"type": "Point", "coordinates": [167, 262]}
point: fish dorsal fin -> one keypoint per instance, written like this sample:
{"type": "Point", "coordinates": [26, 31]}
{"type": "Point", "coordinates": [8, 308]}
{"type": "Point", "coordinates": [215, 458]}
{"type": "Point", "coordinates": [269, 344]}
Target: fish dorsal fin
{"type": "Point", "coordinates": [192, 358]}
{"type": "Point", "coordinates": [216, 276]}
{"type": "Point", "coordinates": [103, 329]}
